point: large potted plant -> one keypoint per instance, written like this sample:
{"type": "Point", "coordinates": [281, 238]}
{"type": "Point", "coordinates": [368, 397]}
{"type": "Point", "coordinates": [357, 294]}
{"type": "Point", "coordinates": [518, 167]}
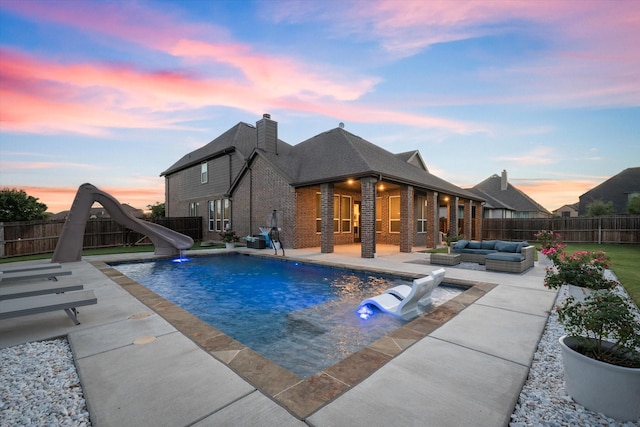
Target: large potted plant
{"type": "Point", "coordinates": [601, 353]}
{"type": "Point", "coordinates": [601, 348]}
{"type": "Point", "coordinates": [229, 237]}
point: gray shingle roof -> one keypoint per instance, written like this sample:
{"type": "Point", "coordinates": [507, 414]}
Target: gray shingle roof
{"type": "Point", "coordinates": [511, 198]}
{"type": "Point", "coordinates": [338, 154]}
{"type": "Point", "coordinates": [241, 138]}
{"type": "Point", "coordinates": [331, 156]}
{"type": "Point", "coordinates": [616, 190]}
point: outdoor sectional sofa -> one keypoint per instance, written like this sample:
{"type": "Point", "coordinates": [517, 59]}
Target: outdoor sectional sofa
{"type": "Point", "coordinates": [497, 255]}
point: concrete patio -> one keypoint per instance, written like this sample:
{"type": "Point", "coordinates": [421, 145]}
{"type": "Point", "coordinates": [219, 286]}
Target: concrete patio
{"type": "Point", "coordinates": [138, 369]}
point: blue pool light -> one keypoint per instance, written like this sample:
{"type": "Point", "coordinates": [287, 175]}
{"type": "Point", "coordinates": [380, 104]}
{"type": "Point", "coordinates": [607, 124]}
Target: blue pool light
{"type": "Point", "coordinates": [365, 312]}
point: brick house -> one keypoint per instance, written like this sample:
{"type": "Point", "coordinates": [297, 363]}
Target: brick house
{"type": "Point", "coordinates": [332, 189]}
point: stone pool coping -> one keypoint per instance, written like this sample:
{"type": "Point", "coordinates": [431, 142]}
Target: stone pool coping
{"type": "Point", "coordinates": [301, 396]}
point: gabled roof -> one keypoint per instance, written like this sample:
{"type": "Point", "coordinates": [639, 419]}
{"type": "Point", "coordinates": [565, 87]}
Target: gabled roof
{"type": "Point", "coordinates": [616, 190]}
{"type": "Point", "coordinates": [241, 138]}
{"type": "Point", "coordinates": [338, 154]}
{"type": "Point", "coordinates": [511, 198]}
{"type": "Point", "coordinates": [331, 156]}
{"type": "Point", "coordinates": [414, 158]}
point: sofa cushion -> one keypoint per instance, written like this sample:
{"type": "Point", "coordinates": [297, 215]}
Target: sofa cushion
{"type": "Point", "coordinates": [489, 244]}
{"type": "Point", "coordinates": [511, 247]}
{"type": "Point", "coordinates": [477, 251]}
{"type": "Point", "coordinates": [474, 245]}
{"type": "Point", "coordinates": [522, 245]}
{"type": "Point", "coordinates": [505, 256]}
{"type": "Point", "coordinates": [459, 245]}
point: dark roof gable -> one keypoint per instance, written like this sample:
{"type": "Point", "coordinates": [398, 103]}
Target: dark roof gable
{"type": "Point", "coordinates": [509, 198]}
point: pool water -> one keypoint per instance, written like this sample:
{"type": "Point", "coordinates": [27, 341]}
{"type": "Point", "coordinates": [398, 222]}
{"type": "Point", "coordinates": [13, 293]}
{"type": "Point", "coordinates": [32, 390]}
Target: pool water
{"type": "Point", "coordinates": [300, 316]}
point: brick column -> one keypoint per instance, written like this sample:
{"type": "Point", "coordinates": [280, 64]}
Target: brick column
{"type": "Point", "coordinates": [368, 217]}
{"type": "Point", "coordinates": [327, 239]}
{"type": "Point", "coordinates": [433, 221]}
{"type": "Point", "coordinates": [477, 228]}
{"type": "Point", "coordinates": [468, 223]}
{"type": "Point", "coordinates": [406, 218]}
{"type": "Point", "coordinates": [453, 215]}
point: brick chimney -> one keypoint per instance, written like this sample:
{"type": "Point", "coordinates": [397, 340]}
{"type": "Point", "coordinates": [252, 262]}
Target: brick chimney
{"type": "Point", "coordinates": [503, 181]}
{"type": "Point", "coordinates": [267, 134]}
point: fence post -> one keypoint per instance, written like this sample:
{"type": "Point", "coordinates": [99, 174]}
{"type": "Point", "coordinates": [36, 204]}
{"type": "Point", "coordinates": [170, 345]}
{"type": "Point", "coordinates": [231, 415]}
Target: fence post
{"type": "Point", "coordinates": [599, 230]}
{"type": "Point", "coordinates": [1, 239]}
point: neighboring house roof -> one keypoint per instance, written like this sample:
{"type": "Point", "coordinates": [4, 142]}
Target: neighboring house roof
{"type": "Point", "coordinates": [616, 190]}
{"type": "Point", "coordinates": [573, 206]}
{"type": "Point", "coordinates": [502, 195]}
{"type": "Point", "coordinates": [102, 212]}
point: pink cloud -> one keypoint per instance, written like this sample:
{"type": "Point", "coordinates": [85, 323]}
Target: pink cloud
{"type": "Point", "coordinates": [48, 97]}
{"type": "Point", "coordinates": [593, 61]}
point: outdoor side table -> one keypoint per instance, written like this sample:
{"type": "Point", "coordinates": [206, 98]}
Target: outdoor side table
{"type": "Point", "coordinates": [445, 259]}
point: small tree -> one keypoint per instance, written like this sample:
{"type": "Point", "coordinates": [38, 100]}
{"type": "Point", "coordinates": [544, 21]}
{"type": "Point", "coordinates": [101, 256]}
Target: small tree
{"type": "Point", "coordinates": [16, 205]}
{"type": "Point", "coordinates": [600, 208]}
{"type": "Point", "coordinates": [633, 207]}
{"type": "Point", "coordinates": [157, 210]}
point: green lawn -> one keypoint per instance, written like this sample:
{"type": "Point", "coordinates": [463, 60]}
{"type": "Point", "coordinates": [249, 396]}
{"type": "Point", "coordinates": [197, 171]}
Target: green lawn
{"type": "Point", "coordinates": [625, 263]}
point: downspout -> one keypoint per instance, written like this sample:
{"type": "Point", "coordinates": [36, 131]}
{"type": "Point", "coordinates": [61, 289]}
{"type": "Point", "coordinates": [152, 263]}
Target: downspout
{"type": "Point", "coordinates": [250, 200]}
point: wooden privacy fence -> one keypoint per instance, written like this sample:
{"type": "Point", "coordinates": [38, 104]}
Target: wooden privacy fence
{"type": "Point", "coordinates": [601, 229]}
{"type": "Point", "coordinates": [37, 237]}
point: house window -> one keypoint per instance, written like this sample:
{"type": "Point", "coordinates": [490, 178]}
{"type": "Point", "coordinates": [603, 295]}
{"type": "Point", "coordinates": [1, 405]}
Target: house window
{"type": "Point", "coordinates": [346, 214]}
{"type": "Point", "coordinates": [219, 214]}
{"type": "Point", "coordinates": [204, 173]}
{"type": "Point", "coordinates": [378, 214]}
{"type": "Point", "coordinates": [318, 213]}
{"type": "Point", "coordinates": [394, 214]}
{"type": "Point", "coordinates": [421, 214]}
{"type": "Point", "coordinates": [336, 214]}
{"type": "Point", "coordinates": [194, 208]}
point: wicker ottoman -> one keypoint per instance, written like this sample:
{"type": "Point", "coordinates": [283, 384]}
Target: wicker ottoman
{"type": "Point", "coordinates": [445, 259]}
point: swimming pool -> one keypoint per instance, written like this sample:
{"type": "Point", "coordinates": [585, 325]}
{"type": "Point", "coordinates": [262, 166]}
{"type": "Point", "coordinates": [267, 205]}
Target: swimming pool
{"type": "Point", "coordinates": [300, 316]}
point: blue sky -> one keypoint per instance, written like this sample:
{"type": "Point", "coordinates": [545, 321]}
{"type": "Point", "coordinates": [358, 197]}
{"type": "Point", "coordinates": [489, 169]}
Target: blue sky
{"type": "Point", "coordinates": [113, 92]}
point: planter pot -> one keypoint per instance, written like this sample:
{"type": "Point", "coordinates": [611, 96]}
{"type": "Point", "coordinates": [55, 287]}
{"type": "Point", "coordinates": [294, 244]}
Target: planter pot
{"type": "Point", "coordinates": [601, 387]}
{"type": "Point", "coordinates": [544, 260]}
{"type": "Point", "coordinates": [229, 245]}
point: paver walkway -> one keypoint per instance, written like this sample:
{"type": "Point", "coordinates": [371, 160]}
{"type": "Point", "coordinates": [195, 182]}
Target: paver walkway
{"type": "Point", "coordinates": [138, 369]}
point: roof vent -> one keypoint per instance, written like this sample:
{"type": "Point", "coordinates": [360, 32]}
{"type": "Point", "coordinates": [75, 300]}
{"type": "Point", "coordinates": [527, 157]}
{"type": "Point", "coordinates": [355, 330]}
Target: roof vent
{"type": "Point", "coordinates": [266, 116]}
{"type": "Point", "coordinates": [341, 125]}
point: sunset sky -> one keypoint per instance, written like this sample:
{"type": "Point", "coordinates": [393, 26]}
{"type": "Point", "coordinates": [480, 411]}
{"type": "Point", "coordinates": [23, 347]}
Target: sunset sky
{"type": "Point", "coordinates": [114, 92]}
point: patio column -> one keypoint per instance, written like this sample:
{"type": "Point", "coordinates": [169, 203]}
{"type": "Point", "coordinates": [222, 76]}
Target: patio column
{"type": "Point", "coordinates": [477, 228]}
{"type": "Point", "coordinates": [368, 217]}
{"type": "Point", "coordinates": [406, 218]}
{"type": "Point", "coordinates": [468, 223]}
{"type": "Point", "coordinates": [327, 237]}
{"type": "Point", "coordinates": [433, 220]}
{"type": "Point", "coordinates": [453, 215]}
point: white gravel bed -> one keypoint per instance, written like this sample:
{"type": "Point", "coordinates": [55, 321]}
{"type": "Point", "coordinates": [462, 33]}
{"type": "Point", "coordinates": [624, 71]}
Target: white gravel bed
{"type": "Point", "coordinates": [39, 386]}
{"type": "Point", "coordinates": [543, 400]}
